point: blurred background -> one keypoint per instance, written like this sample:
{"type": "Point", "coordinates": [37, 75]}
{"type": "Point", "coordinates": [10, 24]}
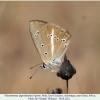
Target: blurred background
{"type": "Point", "coordinates": [18, 53]}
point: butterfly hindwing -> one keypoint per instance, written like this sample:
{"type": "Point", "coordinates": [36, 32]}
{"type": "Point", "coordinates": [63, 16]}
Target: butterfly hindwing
{"type": "Point", "coordinates": [55, 40]}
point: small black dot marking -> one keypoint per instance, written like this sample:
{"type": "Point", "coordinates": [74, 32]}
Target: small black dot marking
{"type": "Point", "coordinates": [35, 35]}
{"type": "Point", "coordinates": [54, 37]}
{"type": "Point", "coordinates": [61, 30]}
{"type": "Point", "coordinates": [65, 45]}
{"type": "Point", "coordinates": [45, 53]}
{"type": "Point", "coordinates": [48, 36]}
{"type": "Point", "coordinates": [63, 40]}
{"type": "Point", "coordinates": [56, 27]}
{"type": "Point", "coordinates": [42, 45]}
{"type": "Point", "coordinates": [37, 32]}
{"type": "Point", "coordinates": [57, 39]}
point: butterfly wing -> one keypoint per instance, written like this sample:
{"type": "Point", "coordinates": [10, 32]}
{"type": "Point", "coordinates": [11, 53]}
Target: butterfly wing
{"type": "Point", "coordinates": [55, 40]}
{"type": "Point", "coordinates": [51, 41]}
{"type": "Point", "coordinates": [34, 27]}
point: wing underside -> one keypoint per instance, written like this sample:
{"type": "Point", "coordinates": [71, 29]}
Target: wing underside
{"type": "Point", "coordinates": [51, 40]}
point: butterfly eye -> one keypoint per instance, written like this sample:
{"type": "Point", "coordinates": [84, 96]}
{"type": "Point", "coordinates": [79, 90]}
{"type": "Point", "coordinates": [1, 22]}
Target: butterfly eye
{"type": "Point", "coordinates": [45, 53]}
{"type": "Point", "coordinates": [43, 66]}
{"type": "Point", "coordinates": [42, 45]}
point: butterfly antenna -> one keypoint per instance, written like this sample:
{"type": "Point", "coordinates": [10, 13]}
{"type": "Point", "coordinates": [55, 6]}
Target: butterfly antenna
{"type": "Point", "coordinates": [35, 72]}
{"type": "Point", "coordinates": [35, 65]}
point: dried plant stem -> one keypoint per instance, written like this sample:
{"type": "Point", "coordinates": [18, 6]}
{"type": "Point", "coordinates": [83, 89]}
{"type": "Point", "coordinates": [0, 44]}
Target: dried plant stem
{"type": "Point", "coordinates": [67, 85]}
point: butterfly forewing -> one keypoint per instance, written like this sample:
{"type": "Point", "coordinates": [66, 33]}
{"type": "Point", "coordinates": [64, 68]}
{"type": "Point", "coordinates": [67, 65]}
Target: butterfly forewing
{"type": "Point", "coordinates": [34, 27]}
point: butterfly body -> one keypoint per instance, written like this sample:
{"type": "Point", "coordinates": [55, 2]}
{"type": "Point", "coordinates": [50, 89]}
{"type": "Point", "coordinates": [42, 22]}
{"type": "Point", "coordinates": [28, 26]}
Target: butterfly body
{"type": "Point", "coordinates": [51, 41]}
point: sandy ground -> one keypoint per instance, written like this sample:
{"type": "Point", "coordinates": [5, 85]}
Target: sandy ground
{"type": "Point", "coordinates": [18, 53]}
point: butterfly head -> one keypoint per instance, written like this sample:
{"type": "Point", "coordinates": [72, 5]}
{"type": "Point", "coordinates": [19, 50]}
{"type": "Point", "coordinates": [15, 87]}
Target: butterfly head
{"type": "Point", "coordinates": [52, 63]}
{"type": "Point", "coordinates": [48, 65]}
{"type": "Point", "coordinates": [43, 66]}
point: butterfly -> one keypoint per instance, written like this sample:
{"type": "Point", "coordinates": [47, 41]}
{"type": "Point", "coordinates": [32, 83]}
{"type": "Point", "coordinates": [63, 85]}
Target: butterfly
{"type": "Point", "coordinates": [51, 41]}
